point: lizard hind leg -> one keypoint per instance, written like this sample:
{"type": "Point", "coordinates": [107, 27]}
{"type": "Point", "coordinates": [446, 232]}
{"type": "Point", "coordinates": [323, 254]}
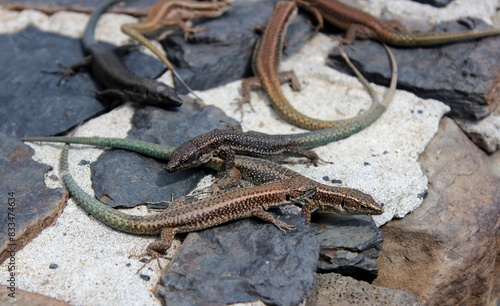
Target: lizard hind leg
{"type": "Point", "coordinates": [157, 249]}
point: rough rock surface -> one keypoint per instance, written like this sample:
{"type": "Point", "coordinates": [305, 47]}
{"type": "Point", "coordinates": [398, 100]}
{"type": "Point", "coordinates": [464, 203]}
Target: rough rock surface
{"type": "Point", "coordinates": [445, 251]}
{"type": "Point", "coordinates": [243, 261]}
{"type": "Point", "coordinates": [126, 179]}
{"type": "Point", "coordinates": [223, 53]}
{"type": "Point", "coordinates": [32, 102]}
{"type": "Point", "coordinates": [464, 75]}
{"type": "Point", "coordinates": [335, 289]}
{"type": "Point", "coordinates": [349, 244]}
{"type": "Point", "coordinates": [27, 206]}
{"type": "Point", "coordinates": [485, 133]}
{"type": "Point", "coordinates": [21, 297]}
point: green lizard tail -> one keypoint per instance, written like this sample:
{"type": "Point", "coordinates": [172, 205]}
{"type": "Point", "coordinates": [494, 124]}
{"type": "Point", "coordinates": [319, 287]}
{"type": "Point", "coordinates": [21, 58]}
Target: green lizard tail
{"type": "Point", "coordinates": [138, 146]}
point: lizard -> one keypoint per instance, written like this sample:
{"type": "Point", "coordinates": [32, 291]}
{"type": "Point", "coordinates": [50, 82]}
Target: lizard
{"type": "Point", "coordinates": [363, 25]}
{"type": "Point", "coordinates": [226, 142]}
{"type": "Point", "coordinates": [110, 71]}
{"type": "Point", "coordinates": [204, 213]}
{"type": "Point", "coordinates": [254, 170]}
{"type": "Point", "coordinates": [189, 155]}
{"type": "Point", "coordinates": [173, 13]}
{"type": "Point", "coordinates": [265, 64]}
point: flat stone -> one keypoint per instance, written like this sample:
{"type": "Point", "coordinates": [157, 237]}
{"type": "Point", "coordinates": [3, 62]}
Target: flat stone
{"type": "Point", "coordinates": [21, 297]}
{"type": "Point", "coordinates": [138, 7]}
{"type": "Point", "coordinates": [464, 75]}
{"type": "Point", "coordinates": [335, 289]}
{"type": "Point", "coordinates": [223, 52]}
{"type": "Point", "coordinates": [126, 179]}
{"type": "Point", "coordinates": [27, 205]}
{"type": "Point", "coordinates": [242, 261]}
{"type": "Point", "coordinates": [445, 252]}
{"type": "Point", "coordinates": [32, 102]}
{"type": "Point", "coordinates": [349, 244]}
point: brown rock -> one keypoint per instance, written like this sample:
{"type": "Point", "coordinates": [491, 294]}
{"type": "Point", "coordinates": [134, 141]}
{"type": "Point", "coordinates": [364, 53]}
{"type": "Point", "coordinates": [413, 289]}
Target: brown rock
{"type": "Point", "coordinates": [335, 289]}
{"type": "Point", "coordinates": [27, 206]}
{"type": "Point", "coordinates": [445, 251]}
{"type": "Point", "coordinates": [10, 296]}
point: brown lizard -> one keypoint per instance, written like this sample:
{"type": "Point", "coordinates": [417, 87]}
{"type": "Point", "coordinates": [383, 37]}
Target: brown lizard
{"type": "Point", "coordinates": [204, 213]}
{"type": "Point", "coordinates": [265, 63]}
{"type": "Point", "coordinates": [173, 13]}
{"type": "Point", "coordinates": [363, 25]}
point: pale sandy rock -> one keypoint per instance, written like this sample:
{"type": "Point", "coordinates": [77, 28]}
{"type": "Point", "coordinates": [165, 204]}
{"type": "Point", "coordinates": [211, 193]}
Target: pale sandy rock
{"type": "Point", "coordinates": [485, 133]}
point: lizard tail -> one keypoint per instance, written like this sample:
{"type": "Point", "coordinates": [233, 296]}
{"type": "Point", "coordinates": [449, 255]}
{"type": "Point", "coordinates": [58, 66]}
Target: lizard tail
{"type": "Point", "coordinates": [88, 34]}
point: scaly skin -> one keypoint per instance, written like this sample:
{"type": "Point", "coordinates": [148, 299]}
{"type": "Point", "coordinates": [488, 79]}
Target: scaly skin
{"type": "Point", "coordinates": [363, 25]}
{"type": "Point", "coordinates": [170, 13]}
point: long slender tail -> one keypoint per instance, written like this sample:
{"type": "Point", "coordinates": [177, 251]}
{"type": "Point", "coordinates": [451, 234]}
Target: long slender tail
{"type": "Point", "coordinates": [111, 217]}
{"type": "Point", "coordinates": [88, 34]}
{"type": "Point", "coordinates": [318, 138]}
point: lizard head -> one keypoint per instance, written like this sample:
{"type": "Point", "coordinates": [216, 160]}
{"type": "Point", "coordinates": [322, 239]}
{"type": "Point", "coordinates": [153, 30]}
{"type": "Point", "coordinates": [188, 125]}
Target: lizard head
{"type": "Point", "coordinates": [185, 156]}
{"type": "Point", "coordinates": [162, 95]}
{"type": "Point", "coordinates": [352, 202]}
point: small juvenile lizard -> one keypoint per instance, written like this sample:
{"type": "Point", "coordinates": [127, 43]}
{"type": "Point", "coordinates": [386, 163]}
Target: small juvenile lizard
{"type": "Point", "coordinates": [363, 25]}
{"type": "Point", "coordinates": [173, 13]}
{"type": "Point", "coordinates": [110, 71]}
{"type": "Point", "coordinates": [204, 213]}
{"type": "Point", "coordinates": [225, 143]}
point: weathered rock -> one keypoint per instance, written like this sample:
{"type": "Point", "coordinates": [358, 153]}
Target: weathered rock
{"type": "Point", "coordinates": [243, 261]}
{"type": "Point", "coordinates": [126, 179]}
{"type": "Point", "coordinates": [137, 7]}
{"type": "Point", "coordinates": [464, 75]}
{"type": "Point", "coordinates": [32, 102]}
{"type": "Point", "coordinates": [27, 206]}
{"type": "Point", "coordinates": [223, 52]}
{"type": "Point", "coordinates": [445, 251]}
{"type": "Point", "coordinates": [21, 297]}
{"type": "Point", "coordinates": [436, 3]}
{"type": "Point", "coordinates": [349, 245]}
{"type": "Point", "coordinates": [335, 289]}
{"type": "Point", "coordinates": [485, 133]}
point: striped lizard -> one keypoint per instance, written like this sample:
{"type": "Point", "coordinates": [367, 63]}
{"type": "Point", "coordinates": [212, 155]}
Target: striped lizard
{"type": "Point", "coordinates": [173, 13]}
{"type": "Point", "coordinates": [221, 208]}
{"type": "Point", "coordinates": [363, 25]}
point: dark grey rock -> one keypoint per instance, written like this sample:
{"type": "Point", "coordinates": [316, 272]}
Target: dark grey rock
{"type": "Point", "coordinates": [125, 179]}
{"type": "Point", "coordinates": [32, 102]}
{"type": "Point", "coordinates": [136, 7]}
{"type": "Point", "coordinates": [436, 3]}
{"type": "Point", "coordinates": [223, 53]}
{"type": "Point", "coordinates": [27, 206]}
{"type": "Point", "coordinates": [242, 261]}
{"type": "Point", "coordinates": [463, 75]}
{"type": "Point", "coordinates": [349, 244]}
